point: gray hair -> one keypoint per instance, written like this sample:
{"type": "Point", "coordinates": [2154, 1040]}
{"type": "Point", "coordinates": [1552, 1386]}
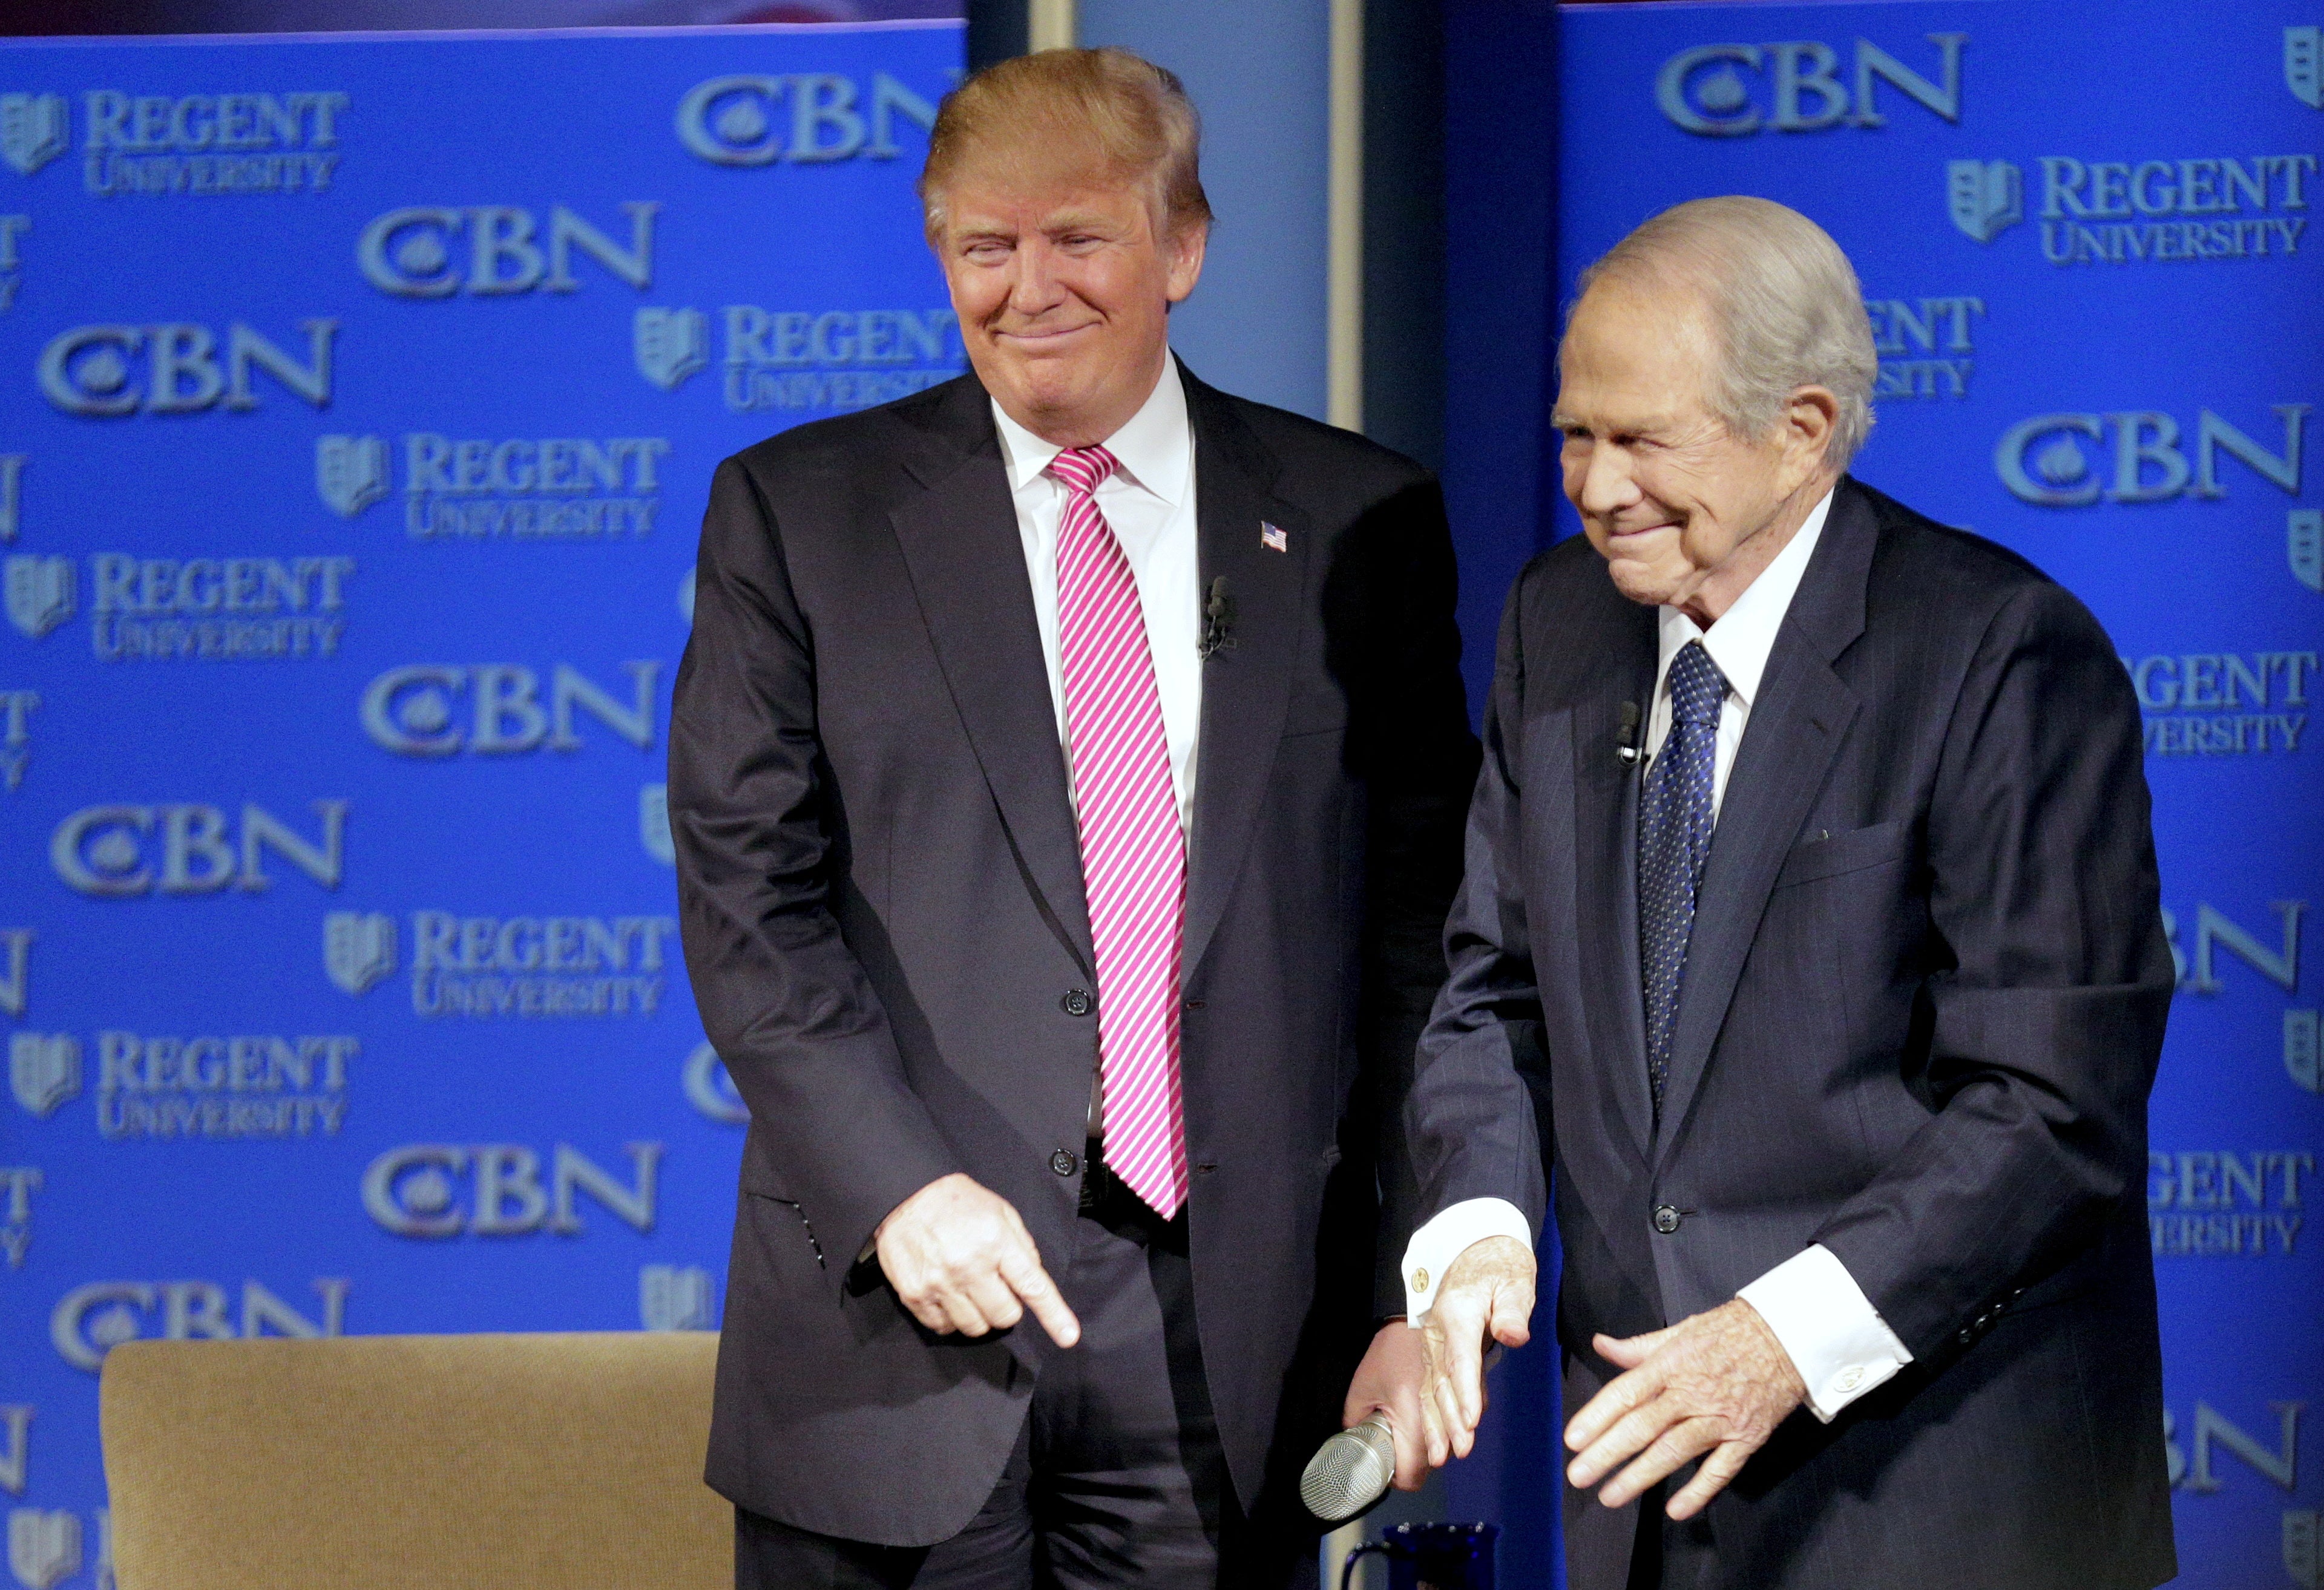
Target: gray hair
{"type": "Point", "coordinates": [1785, 305]}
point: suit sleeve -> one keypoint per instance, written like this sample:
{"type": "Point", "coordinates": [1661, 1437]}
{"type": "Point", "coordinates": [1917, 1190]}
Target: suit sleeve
{"type": "Point", "coordinates": [1419, 760]}
{"type": "Point", "coordinates": [2046, 1027]}
{"type": "Point", "coordinates": [780, 995]}
{"type": "Point", "coordinates": [1477, 1117]}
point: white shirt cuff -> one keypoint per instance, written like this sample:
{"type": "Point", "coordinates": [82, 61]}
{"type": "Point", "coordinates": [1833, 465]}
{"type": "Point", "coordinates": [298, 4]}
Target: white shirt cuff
{"type": "Point", "coordinates": [1435, 1247]}
{"type": "Point", "coordinates": [1834, 1337]}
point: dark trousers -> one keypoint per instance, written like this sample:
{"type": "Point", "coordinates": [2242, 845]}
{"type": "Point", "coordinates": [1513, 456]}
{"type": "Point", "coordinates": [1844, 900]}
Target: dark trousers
{"type": "Point", "coordinates": [1672, 1555]}
{"type": "Point", "coordinates": [1118, 1479]}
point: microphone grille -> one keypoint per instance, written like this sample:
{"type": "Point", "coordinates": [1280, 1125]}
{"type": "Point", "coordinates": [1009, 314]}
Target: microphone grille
{"type": "Point", "coordinates": [1349, 1473]}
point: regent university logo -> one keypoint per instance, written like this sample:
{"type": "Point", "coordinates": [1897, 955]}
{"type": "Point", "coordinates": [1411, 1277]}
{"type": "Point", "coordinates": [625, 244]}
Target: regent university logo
{"type": "Point", "coordinates": [1985, 197]}
{"type": "Point", "coordinates": [2303, 65]}
{"type": "Point", "coordinates": [42, 593]}
{"type": "Point", "coordinates": [44, 1546]}
{"type": "Point", "coordinates": [350, 472]}
{"type": "Point", "coordinates": [43, 1070]}
{"type": "Point", "coordinates": [670, 345]}
{"type": "Point", "coordinates": [33, 129]}
{"type": "Point", "coordinates": [2304, 547]}
{"type": "Point", "coordinates": [358, 949]}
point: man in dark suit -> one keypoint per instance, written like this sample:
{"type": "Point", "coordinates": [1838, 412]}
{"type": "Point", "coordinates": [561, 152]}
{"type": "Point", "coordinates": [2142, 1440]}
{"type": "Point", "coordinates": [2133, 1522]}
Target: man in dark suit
{"type": "Point", "coordinates": [1810, 935]}
{"type": "Point", "coordinates": [1066, 771]}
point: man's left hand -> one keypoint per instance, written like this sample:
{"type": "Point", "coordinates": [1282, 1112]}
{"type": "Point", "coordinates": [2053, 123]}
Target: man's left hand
{"type": "Point", "coordinates": [1716, 1383]}
{"type": "Point", "coordinates": [1389, 1382]}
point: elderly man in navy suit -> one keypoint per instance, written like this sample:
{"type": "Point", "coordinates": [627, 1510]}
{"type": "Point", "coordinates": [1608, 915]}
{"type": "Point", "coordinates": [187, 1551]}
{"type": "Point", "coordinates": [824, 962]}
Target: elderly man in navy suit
{"type": "Point", "coordinates": [1811, 937]}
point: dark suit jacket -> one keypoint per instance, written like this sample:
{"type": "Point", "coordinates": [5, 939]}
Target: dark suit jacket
{"type": "Point", "coordinates": [1924, 1001]}
{"type": "Point", "coordinates": [881, 895]}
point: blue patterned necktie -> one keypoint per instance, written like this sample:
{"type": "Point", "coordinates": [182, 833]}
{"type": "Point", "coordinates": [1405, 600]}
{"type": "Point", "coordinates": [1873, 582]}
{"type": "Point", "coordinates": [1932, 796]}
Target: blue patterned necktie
{"type": "Point", "coordinates": [1675, 824]}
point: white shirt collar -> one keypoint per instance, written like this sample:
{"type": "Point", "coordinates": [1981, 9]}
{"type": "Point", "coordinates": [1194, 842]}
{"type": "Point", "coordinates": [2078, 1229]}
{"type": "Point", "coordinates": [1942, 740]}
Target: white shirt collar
{"type": "Point", "coordinates": [1745, 635]}
{"type": "Point", "coordinates": [1154, 449]}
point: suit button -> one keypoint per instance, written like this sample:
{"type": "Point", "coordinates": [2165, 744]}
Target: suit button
{"type": "Point", "coordinates": [1666, 1219]}
{"type": "Point", "coordinates": [1078, 1002]}
{"type": "Point", "coordinates": [1064, 1163]}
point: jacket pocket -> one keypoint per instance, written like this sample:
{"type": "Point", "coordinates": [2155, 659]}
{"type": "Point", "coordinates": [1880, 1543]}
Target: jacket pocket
{"type": "Point", "coordinates": [1853, 851]}
{"type": "Point", "coordinates": [1316, 711]}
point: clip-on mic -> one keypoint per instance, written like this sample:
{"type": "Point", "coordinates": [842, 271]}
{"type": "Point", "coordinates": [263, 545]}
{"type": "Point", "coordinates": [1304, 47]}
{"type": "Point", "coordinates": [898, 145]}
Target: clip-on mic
{"type": "Point", "coordinates": [1218, 621]}
{"type": "Point", "coordinates": [1625, 738]}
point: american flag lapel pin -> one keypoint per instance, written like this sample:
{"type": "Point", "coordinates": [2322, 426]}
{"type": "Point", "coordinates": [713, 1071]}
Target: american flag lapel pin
{"type": "Point", "coordinates": [1272, 537]}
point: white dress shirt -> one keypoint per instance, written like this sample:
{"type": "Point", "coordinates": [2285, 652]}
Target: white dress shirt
{"type": "Point", "coordinates": [1149, 502]}
{"type": "Point", "coordinates": [1834, 1337]}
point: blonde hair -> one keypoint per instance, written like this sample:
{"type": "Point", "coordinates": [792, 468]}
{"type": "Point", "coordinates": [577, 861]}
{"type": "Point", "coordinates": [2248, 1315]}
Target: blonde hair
{"type": "Point", "coordinates": [1103, 109]}
{"type": "Point", "coordinates": [1785, 305]}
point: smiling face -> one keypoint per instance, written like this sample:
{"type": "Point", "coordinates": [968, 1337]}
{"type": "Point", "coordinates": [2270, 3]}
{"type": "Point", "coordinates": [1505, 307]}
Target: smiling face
{"type": "Point", "coordinates": [1685, 512]}
{"type": "Point", "coordinates": [1063, 287]}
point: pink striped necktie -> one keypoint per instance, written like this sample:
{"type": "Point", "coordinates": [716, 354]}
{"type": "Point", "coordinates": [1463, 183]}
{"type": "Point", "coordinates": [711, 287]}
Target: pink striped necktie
{"type": "Point", "coordinates": [1133, 852]}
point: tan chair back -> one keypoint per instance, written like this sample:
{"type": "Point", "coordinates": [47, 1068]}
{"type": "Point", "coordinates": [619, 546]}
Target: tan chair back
{"type": "Point", "coordinates": [417, 1462]}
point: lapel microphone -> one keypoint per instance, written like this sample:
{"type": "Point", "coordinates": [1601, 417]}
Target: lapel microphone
{"type": "Point", "coordinates": [1218, 621]}
{"type": "Point", "coordinates": [1625, 738]}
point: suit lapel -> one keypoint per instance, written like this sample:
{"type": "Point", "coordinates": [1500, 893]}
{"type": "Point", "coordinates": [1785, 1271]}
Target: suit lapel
{"type": "Point", "coordinates": [1801, 715]}
{"type": "Point", "coordinates": [1246, 688]}
{"type": "Point", "coordinates": [957, 528]}
{"type": "Point", "coordinates": [1606, 803]}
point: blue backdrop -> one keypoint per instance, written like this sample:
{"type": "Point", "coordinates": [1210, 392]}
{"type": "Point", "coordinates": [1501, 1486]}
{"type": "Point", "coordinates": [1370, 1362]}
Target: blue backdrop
{"type": "Point", "coordinates": [363, 394]}
{"type": "Point", "coordinates": [2084, 232]}
{"type": "Point", "coordinates": [362, 397]}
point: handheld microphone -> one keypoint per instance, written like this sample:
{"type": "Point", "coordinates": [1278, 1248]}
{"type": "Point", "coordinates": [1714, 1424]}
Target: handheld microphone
{"type": "Point", "coordinates": [1351, 1472]}
{"type": "Point", "coordinates": [1625, 738]}
{"type": "Point", "coordinates": [1218, 621]}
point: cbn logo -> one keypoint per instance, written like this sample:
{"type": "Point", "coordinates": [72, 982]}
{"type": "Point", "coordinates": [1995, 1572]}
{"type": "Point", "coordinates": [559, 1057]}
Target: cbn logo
{"type": "Point", "coordinates": [2214, 928]}
{"type": "Point", "coordinates": [410, 253]}
{"type": "Point", "coordinates": [413, 1190]}
{"type": "Point", "coordinates": [2042, 462]}
{"type": "Point", "coordinates": [710, 1090]}
{"type": "Point", "coordinates": [100, 851]}
{"type": "Point", "coordinates": [87, 369]}
{"type": "Point", "coordinates": [91, 1320]}
{"type": "Point", "coordinates": [2280, 1467]}
{"type": "Point", "coordinates": [1985, 197]}
{"type": "Point", "coordinates": [734, 121]}
{"type": "Point", "coordinates": [413, 711]}
{"type": "Point", "coordinates": [1700, 91]}
{"type": "Point", "coordinates": [34, 129]}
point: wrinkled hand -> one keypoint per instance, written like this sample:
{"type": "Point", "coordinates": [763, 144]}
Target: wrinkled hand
{"type": "Point", "coordinates": [1388, 1381]}
{"type": "Point", "coordinates": [1717, 1381]}
{"type": "Point", "coordinates": [1489, 1290]}
{"type": "Point", "coordinates": [961, 1259]}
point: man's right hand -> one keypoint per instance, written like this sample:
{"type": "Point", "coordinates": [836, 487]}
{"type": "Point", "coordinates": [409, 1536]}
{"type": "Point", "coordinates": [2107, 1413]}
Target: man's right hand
{"type": "Point", "coordinates": [961, 1259]}
{"type": "Point", "coordinates": [1489, 1291]}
